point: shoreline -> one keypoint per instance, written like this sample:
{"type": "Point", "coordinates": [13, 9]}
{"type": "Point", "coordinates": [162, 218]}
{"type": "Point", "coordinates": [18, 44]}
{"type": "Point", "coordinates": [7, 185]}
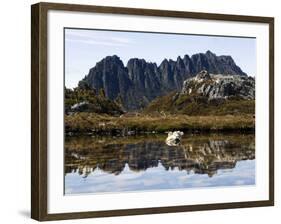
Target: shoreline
{"type": "Point", "coordinates": [101, 124]}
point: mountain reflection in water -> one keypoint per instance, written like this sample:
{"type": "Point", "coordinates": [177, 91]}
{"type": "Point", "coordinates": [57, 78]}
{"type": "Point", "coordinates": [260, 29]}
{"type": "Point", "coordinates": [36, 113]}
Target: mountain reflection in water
{"type": "Point", "coordinates": [107, 164]}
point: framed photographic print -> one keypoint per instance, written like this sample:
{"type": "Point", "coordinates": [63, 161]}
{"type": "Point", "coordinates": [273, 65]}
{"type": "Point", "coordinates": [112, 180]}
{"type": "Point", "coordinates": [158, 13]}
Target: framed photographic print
{"type": "Point", "coordinates": [138, 111]}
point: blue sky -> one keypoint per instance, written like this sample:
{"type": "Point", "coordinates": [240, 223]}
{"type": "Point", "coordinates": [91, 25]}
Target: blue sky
{"type": "Point", "coordinates": [84, 48]}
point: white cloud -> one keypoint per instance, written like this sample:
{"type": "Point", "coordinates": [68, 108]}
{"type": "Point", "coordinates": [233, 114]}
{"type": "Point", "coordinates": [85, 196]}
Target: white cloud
{"type": "Point", "coordinates": [94, 42]}
{"type": "Point", "coordinates": [122, 40]}
{"type": "Point", "coordinates": [88, 37]}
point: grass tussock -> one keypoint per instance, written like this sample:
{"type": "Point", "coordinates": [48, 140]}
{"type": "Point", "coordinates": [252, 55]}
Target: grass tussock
{"type": "Point", "coordinates": [199, 105]}
{"type": "Point", "coordinates": [90, 122]}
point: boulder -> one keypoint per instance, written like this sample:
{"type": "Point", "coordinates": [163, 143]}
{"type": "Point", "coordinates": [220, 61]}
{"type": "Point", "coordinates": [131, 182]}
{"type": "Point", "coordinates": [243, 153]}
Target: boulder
{"type": "Point", "coordinates": [174, 138]}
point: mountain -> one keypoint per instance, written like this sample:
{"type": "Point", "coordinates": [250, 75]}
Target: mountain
{"type": "Point", "coordinates": [207, 94]}
{"type": "Point", "coordinates": [139, 82]}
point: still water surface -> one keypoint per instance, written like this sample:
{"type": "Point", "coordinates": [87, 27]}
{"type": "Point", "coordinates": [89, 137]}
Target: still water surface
{"type": "Point", "coordinates": [118, 164]}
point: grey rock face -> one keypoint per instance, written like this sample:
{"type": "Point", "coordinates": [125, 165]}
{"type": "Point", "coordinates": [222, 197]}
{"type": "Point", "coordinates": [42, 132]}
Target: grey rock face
{"type": "Point", "coordinates": [140, 82]}
{"type": "Point", "coordinates": [111, 75]}
{"type": "Point", "coordinates": [220, 86]}
{"type": "Point", "coordinates": [215, 64]}
{"type": "Point", "coordinates": [203, 76]}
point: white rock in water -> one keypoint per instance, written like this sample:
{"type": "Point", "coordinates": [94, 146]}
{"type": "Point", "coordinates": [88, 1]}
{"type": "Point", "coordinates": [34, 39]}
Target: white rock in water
{"type": "Point", "coordinates": [174, 138]}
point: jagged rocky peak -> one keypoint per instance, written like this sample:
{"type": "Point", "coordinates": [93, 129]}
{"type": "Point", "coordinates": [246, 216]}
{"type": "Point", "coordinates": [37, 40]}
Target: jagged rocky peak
{"type": "Point", "coordinates": [216, 86]}
{"type": "Point", "coordinates": [136, 62]}
{"type": "Point", "coordinates": [110, 75]}
{"type": "Point", "coordinates": [113, 58]}
{"type": "Point", "coordinates": [139, 67]}
{"type": "Point", "coordinates": [139, 82]}
{"type": "Point", "coordinates": [109, 62]}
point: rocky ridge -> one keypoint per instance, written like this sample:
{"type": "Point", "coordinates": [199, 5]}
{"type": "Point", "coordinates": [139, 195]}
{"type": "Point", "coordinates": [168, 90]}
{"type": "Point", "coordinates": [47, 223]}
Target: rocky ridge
{"type": "Point", "coordinates": [220, 86]}
{"type": "Point", "coordinates": [209, 94]}
{"type": "Point", "coordinates": [139, 82]}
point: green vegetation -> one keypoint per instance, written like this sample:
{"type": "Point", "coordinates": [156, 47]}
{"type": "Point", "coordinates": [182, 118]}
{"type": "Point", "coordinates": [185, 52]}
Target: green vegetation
{"type": "Point", "coordinates": [199, 105]}
{"type": "Point", "coordinates": [187, 112]}
{"type": "Point", "coordinates": [97, 123]}
{"type": "Point", "coordinates": [97, 102]}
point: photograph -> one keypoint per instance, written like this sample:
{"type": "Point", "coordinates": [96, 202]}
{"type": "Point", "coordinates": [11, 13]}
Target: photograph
{"type": "Point", "coordinates": [139, 111]}
{"type": "Point", "coordinates": [152, 111]}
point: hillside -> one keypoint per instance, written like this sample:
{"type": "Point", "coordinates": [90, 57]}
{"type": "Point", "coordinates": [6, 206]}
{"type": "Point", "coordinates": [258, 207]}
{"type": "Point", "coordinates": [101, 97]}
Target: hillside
{"type": "Point", "coordinates": [85, 99]}
{"type": "Point", "coordinates": [207, 94]}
